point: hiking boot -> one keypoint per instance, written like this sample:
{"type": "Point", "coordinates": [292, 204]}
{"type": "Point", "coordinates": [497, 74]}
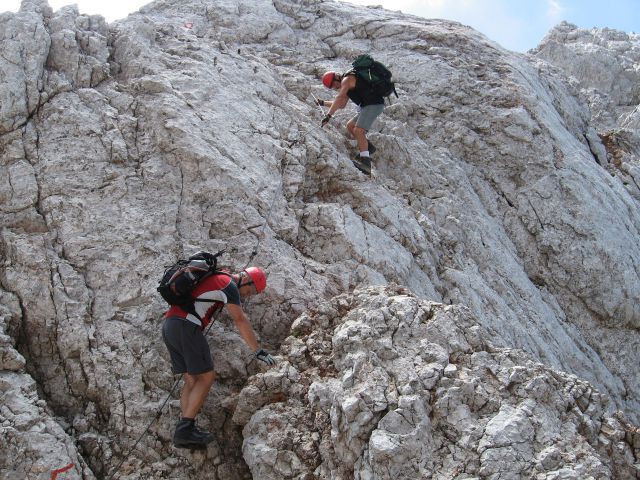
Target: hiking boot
{"type": "Point", "coordinates": [363, 164]}
{"type": "Point", "coordinates": [372, 148]}
{"type": "Point", "coordinates": [187, 435]}
{"type": "Point", "coordinates": [207, 437]}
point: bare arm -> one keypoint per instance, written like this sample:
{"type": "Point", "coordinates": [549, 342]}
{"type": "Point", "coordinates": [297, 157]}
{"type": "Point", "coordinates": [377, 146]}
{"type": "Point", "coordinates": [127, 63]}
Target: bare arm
{"type": "Point", "coordinates": [347, 83]}
{"type": "Point", "coordinates": [243, 325]}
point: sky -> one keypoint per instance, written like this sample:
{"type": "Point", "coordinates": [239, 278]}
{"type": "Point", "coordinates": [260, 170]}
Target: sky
{"type": "Point", "coordinates": [515, 24]}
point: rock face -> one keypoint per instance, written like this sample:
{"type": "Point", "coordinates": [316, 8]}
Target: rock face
{"type": "Point", "coordinates": [383, 385]}
{"type": "Point", "coordinates": [604, 63]}
{"type": "Point", "coordinates": [190, 125]}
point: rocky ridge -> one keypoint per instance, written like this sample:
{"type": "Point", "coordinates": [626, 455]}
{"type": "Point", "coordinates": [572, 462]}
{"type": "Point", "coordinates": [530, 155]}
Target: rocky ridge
{"type": "Point", "coordinates": [383, 385]}
{"type": "Point", "coordinates": [604, 65]}
{"type": "Point", "coordinates": [190, 125]}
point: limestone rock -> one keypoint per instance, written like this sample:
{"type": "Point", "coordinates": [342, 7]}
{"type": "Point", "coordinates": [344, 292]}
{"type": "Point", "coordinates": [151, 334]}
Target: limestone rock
{"type": "Point", "coordinates": [33, 441]}
{"type": "Point", "coordinates": [489, 413]}
{"type": "Point", "coordinates": [604, 63]}
{"type": "Point", "coordinates": [190, 125]}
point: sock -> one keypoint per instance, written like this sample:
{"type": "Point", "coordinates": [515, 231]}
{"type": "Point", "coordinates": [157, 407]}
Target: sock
{"type": "Point", "coordinates": [187, 419]}
{"type": "Point", "coordinates": [365, 153]}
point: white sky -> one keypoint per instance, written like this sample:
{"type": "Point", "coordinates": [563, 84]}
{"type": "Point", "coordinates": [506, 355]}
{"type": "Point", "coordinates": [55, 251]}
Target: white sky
{"type": "Point", "coordinates": [110, 9]}
{"type": "Point", "coordinates": [515, 24]}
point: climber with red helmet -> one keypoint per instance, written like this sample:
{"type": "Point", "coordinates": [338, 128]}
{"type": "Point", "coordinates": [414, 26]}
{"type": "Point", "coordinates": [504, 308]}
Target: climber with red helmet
{"type": "Point", "coordinates": [370, 106]}
{"type": "Point", "coordinates": [182, 332]}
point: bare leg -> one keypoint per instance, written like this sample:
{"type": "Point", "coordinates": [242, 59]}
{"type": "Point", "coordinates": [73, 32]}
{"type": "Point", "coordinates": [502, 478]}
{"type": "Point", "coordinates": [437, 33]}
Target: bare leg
{"type": "Point", "coordinates": [360, 134]}
{"type": "Point", "coordinates": [351, 124]}
{"type": "Point", "coordinates": [194, 392]}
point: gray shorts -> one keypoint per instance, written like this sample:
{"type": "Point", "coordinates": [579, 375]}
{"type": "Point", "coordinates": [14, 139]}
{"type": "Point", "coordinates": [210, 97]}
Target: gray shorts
{"type": "Point", "coordinates": [367, 115]}
{"type": "Point", "coordinates": [187, 346]}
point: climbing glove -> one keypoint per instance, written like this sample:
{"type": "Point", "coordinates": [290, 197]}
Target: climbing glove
{"type": "Point", "coordinates": [325, 120]}
{"type": "Point", "coordinates": [264, 357]}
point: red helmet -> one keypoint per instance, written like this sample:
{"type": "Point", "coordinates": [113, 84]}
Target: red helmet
{"type": "Point", "coordinates": [328, 78]}
{"type": "Point", "coordinates": [258, 278]}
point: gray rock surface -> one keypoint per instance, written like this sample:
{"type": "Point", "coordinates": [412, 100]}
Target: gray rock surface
{"type": "Point", "coordinates": [190, 125]}
{"type": "Point", "coordinates": [604, 65]}
{"type": "Point", "coordinates": [380, 384]}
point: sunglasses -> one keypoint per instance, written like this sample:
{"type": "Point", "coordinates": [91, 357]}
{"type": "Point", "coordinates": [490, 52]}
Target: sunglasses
{"type": "Point", "coordinates": [247, 283]}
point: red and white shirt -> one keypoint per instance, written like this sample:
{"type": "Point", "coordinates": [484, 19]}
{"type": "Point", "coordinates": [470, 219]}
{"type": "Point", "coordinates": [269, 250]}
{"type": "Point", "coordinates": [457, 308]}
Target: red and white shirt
{"type": "Point", "coordinates": [209, 296]}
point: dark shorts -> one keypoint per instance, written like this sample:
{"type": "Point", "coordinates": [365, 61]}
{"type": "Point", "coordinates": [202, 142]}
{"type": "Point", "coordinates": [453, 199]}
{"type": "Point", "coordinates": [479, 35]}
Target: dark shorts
{"type": "Point", "coordinates": [187, 346]}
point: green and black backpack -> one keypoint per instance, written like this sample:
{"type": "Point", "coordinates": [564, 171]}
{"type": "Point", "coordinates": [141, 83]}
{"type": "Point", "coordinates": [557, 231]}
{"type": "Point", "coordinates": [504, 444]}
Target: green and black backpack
{"type": "Point", "coordinates": [375, 74]}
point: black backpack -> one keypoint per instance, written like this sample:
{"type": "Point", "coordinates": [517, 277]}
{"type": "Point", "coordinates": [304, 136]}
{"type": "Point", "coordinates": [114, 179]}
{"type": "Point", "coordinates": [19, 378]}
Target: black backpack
{"type": "Point", "coordinates": [182, 277]}
{"type": "Point", "coordinates": [375, 74]}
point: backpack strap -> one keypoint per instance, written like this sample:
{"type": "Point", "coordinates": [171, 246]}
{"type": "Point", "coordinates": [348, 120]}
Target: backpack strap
{"type": "Point", "coordinates": [191, 307]}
